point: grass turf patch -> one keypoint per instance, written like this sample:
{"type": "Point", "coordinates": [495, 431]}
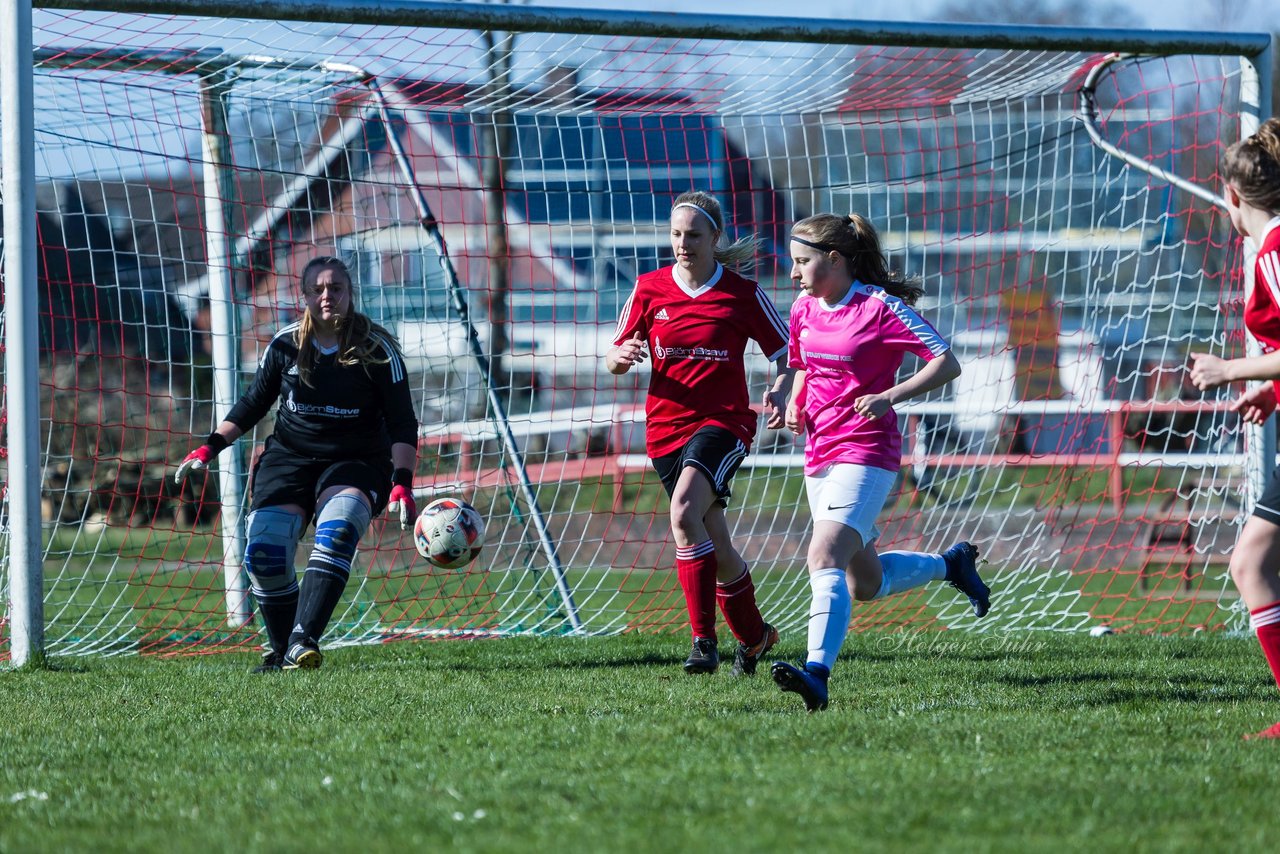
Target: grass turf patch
{"type": "Point", "coordinates": [941, 741]}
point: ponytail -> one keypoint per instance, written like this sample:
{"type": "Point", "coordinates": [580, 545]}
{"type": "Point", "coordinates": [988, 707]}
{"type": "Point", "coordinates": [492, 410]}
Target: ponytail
{"type": "Point", "coordinates": [856, 240]}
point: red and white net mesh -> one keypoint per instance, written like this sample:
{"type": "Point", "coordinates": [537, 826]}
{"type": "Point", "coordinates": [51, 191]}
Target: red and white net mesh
{"type": "Point", "coordinates": [1073, 451]}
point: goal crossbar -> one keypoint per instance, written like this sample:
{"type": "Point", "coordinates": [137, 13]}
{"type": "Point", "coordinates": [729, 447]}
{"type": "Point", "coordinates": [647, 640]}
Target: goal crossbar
{"type": "Point", "coordinates": [478, 16]}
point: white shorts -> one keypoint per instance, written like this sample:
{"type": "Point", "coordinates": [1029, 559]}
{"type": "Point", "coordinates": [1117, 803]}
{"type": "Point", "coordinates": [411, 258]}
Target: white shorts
{"type": "Point", "coordinates": [850, 494]}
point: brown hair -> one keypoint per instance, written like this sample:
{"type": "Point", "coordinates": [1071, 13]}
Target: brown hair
{"type": "Point", "coordinates": [737, 255]}
{"type": "Point", "coordinates": [359, 337]}
{"type": "Point", "coordinates": [1252, 166]}
{"type": "Point", "coordinates": [855, 238]}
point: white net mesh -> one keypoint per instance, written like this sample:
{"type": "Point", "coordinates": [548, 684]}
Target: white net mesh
{"type": "Point", "coordinates": [1072, 450]}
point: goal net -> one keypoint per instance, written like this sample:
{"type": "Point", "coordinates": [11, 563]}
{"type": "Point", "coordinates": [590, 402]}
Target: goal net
{"type": "Point", "coordinates": [189, 167]}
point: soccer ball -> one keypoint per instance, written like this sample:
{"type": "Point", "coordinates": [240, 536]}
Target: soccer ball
{"type": "Point", "coordinates": [449, 533]}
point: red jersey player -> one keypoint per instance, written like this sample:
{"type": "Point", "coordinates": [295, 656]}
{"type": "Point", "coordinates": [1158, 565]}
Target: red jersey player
{"type": "Point", "coordinates": [1251, 172]}
{"type": "Point", "coordinates": [696, 317]}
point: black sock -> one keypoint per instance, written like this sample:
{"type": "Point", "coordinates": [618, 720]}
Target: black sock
{"type": "Point", "coordinates": [277, 617]}
{"type": "Point", "coordinates": [320, 594]}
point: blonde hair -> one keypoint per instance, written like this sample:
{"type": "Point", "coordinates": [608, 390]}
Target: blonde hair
{"type": "Point", "coordinates": [1252, 166]}
{"type": "Point", "coordinates": [741, 253]}
{"type": "Point", "coordinates": [359, 337]}
{"type": "Point", "coordinates": [855, 239]}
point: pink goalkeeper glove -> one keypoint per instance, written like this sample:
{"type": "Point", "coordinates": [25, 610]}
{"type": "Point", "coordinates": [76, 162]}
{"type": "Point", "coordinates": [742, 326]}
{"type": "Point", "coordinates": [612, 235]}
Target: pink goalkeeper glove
{"type": "Point", "coordinates": [197, 459]}
{"type": "Point", "coordinates": [200, 457]}
{"type": "Point", "coordinates": [402, 498]}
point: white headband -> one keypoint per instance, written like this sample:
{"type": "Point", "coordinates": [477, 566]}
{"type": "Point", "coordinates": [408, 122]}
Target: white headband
{"type": "Point", "coordinates": [702, 211]}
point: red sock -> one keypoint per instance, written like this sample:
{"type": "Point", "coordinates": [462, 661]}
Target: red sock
{"type": "Point", "coordinates": [737, 601]}
{"type": "Point", "coordinates": [1266, 622]}
{"type": "Point", "coordinates": [696, 569]}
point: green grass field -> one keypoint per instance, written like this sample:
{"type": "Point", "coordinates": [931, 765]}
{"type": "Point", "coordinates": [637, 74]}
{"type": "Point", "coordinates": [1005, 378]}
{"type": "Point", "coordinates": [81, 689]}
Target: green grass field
{"type": "Point", "coordinates": [946, 741]}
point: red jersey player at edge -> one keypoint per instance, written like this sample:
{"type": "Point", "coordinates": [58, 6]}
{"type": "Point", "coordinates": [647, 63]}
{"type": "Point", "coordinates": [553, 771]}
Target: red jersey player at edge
{"type": "Point", "coordinates": [1251, 173]}
{"type": "Point", "coordinates": [851, 328]}
{"type": "Point", "coordinates": [697, 316]}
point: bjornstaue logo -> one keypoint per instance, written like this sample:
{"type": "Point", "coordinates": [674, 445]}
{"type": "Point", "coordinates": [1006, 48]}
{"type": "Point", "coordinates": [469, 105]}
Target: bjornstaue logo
{"type": "Point", "coordinates": [324, 411]}
{"type": "Point", "coordinates": [707, 354]}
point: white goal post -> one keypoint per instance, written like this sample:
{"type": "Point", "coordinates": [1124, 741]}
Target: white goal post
{"type": "Point", "coordinates": [496, 177]}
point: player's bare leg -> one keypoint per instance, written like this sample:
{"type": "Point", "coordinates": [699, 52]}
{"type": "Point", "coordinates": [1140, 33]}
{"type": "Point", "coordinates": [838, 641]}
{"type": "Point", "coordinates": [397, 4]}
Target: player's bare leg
{"type": "Point", "coordinates": [1256, 554]}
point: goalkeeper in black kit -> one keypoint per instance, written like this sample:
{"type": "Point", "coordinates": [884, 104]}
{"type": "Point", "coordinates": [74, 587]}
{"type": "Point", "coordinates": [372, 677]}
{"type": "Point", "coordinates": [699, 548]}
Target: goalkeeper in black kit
{"type": "Point", "coordinates": [344, 449]}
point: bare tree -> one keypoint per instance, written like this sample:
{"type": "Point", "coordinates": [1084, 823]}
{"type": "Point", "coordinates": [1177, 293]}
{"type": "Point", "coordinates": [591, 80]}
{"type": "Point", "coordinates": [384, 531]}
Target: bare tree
{"type": "Point", "coordinates": [495, 127]}
{"type": "Point", "coordinates": [1049, 12]}
{"type": "Point", "coordinates": [1231, 15]}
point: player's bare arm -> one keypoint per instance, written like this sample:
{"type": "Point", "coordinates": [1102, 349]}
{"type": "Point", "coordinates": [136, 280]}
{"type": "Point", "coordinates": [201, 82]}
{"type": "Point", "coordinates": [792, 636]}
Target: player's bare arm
{"type": "Point", "coordinates": [623, 357]}
{"type": "Point", "coordinates": [935, 374]}
{"type": "Point", "coordinates": [793, 418]}
{"type": "Point", "coordinates": [1255, 405]}
{"type": "Point", "coordinates": [1209, 371]}
{"type": "Point", "coordinates": [776, 396]}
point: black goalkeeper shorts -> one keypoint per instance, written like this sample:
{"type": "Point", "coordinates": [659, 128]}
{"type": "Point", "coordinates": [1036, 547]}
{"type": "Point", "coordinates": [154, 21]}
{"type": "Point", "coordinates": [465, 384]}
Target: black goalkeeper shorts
{"type": "Point", "coordinates": [1268, 506]}
{"type": "Point", "coordinates": [281, 476]}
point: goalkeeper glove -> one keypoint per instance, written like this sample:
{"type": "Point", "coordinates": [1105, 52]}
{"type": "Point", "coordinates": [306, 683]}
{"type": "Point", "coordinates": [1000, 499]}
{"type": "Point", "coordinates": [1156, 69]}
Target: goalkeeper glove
{"type": "Point", "coordinates": [402, 498]}
{"type": "Point", "coordinates": [200, 457]}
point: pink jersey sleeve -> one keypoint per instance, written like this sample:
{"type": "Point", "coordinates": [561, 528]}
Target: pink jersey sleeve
{"type": "Point", "coordinates": [901, 328]}
{"type": "Point", "coordinates": [795, 355]}
{"type": "Point", "coordinates": [631, 319]}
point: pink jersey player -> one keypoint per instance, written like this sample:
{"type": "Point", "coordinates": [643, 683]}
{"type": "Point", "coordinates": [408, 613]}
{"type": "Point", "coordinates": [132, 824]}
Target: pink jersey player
{"type": "Point", "coordinates": [850, 331]}
{"type": "Point", "coordinates": [1251, 172]}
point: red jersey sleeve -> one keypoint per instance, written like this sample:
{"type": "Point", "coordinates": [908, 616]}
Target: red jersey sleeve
{"type": "Point", "coordinates": [1262, 309]}
{"type": "Point", "coordinates": [768, 329]}
{"type": "Point", "coordinates": [632, 318]}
